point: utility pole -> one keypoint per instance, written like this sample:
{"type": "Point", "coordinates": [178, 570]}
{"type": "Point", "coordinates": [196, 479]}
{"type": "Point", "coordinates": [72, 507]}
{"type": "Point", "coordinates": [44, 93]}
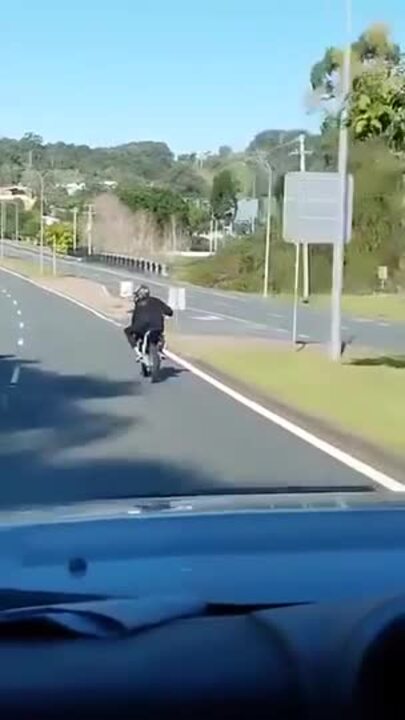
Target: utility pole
{"type": "Point", "coordinates": [41, 227]}
{"type": "Point", "coordinates": [54, 256]}
{"type": "Point", "coordinates": [215, 236]}
{"type": "Point", "coordinates": [339, 247]}
{"type": "Point", "coordinates": [3, 227]}
{"type": "Point", "coordinates": [74, 229]}
{"type": "Point", "coordinates": [211, 235]}
{"type": "Point", "coordinates": [90, 229]}
{"type": "Point", "coordinates": [302, 152]}
{"type": "Point", "coordinates": [268, 231]}
{"type": "Point", "coordinates": [174, 234]}
{"type": "Point", "coordinates": [17, 223]}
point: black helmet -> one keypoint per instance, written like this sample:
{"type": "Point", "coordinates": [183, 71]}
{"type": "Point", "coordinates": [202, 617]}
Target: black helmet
{"type": "Point", "coordinates": [141, 293]}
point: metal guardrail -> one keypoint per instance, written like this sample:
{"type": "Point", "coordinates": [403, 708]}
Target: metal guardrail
{"type": "Point", "coordinates": [141, 265]}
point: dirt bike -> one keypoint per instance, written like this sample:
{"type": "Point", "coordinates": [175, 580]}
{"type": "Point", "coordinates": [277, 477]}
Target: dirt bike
{"type": "Point", "coordinates": [150, 354]}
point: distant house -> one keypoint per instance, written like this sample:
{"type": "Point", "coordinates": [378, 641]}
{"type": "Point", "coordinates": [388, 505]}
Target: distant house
{"type": "Point", "coordinates": [73, 187]}
{"type": "Point", "coordinates": [50, 220]}
{"type": "Point", "coordinates": [17, 192]}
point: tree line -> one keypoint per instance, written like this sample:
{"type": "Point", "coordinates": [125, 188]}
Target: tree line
{"type": "Point", "coordinates": [376, 122]}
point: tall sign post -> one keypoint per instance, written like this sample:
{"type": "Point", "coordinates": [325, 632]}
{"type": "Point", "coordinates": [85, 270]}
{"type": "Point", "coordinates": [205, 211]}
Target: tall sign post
{"type": "Point", "coordinates": [313, 213]}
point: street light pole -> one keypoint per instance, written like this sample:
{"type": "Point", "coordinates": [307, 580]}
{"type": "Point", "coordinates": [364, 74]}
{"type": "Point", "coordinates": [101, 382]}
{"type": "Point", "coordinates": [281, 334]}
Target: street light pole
{"type": "Point", "coordinates": [90, 229]}
{"type": "Point", "coordinates": [54, 256]}
{"type": "Point", "coordinates": [305, 247]}
{"type": "Point", "coordinates": [41, 231]}
{"type": "Point", "coordinates": [266, 163]}
{"type": "Point", "coordinates": [3, 227]}
{"type": "Point", "coordinates": [17, 229]}
{"type": "Point", "coordinates": [74, 229]}
{"type": "Point", "coordinates": [338, 247]}
{"type": "Point", "coordinates": [268, 232]}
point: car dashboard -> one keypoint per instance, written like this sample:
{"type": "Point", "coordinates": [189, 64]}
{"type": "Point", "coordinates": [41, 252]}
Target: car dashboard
{"type": "Point", "coordinates": [301, 615]}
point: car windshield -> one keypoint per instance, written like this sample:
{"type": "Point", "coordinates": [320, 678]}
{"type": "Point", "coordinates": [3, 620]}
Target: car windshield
{"type": "Point", "coordinates": [202, 253]}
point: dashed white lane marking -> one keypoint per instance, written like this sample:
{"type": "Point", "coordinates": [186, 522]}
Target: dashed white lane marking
{"type": "Point", "coordinates": [323, 446]}
{"type": "Point", "coordinates": [206, 317]}
{"type": "Point", "coordinates": [280, 330]}
{"type": "Point", "coordinates": [21, 325]}
{"type": "Point", "coordinates": [15, 376]}
{"type": "Point", "coordinates": [20, 342]}
{"type": "Point", "coordinates": [363, 320]}
{"type": "Point", "coordinates": [252, 324]}
{"type": "Point", "coordinates": [15, 302]}
{"type": "Point", "coordinates": [383, 324]}
{"type": "Point", "coordinates": [18, 312]}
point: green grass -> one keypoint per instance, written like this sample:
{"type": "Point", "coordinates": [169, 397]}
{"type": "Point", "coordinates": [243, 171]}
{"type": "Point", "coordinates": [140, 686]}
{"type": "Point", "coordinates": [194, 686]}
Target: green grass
{"type": "Point", "coordinates": [364, 396]}
{"type": "Point", "coordinates": [28, 267]}
{"type": "Point", "coordinates": [390, 307]}
{"type": "Point", "coordinates": [384, 307]}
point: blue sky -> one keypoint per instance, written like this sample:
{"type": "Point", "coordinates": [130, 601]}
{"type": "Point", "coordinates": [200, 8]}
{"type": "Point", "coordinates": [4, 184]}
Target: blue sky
{"type": "Point", "coordinates": [196, 75]}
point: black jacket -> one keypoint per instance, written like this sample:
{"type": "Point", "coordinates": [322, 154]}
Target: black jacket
{"type": "Point", "coordinates": [149, 314]}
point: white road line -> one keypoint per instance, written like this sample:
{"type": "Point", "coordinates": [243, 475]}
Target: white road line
{"type": "Point", "coordinates": [280, 330]}
{"type": "Point", "coordinates": [276, 315]}
{"type": "Point", "coordinates": [15, 376]}
{"type": "Point", "coordinates": [20, 342]}
{"type": "Point", "coordinates": [21, 325]}
{"type": "Point", "coordinates": [15, 302]}
{"type": "Point", "coordinates": [363, 320]}
{"type": "Point", "coordinates": [18, 312]}
{"type": "Point", "coordinates": [384, 324]}
{"type": "Point", "coordinates": [234, 318]}
{"type": "Point", "coordinates": [323, 446]}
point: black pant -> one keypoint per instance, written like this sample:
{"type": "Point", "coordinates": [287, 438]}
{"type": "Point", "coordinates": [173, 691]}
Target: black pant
{"type": "Point", "coordinates": [134, 335]}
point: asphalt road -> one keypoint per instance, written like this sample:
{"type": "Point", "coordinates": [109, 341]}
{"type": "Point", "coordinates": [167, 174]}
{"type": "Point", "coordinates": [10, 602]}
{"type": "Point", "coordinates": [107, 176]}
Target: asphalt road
{"type": "Point", "coordinates": [78, 423]}
{"type": "Point", "coordinates": [212, 312]}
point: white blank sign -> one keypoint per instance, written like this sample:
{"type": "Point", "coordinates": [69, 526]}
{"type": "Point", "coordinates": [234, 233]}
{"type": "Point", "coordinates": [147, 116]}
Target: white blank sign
{"type": "Point", "coordinates": [126, 288]}
{"type": "Point", "coordinates": [312, 211]}
{"type": "Point", "coordinates": [177, 298]}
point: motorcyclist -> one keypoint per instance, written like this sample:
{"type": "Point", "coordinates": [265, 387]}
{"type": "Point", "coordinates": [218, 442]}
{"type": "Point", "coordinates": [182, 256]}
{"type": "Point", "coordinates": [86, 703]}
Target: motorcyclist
{"type": "Point", "coordinates": [148, 314]}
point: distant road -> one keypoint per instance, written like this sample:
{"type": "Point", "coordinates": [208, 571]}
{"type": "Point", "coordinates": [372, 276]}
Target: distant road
{"type": "Point", "coordinates": [225, 313]}
{"type": "Point", "coordinates": [77, 422]}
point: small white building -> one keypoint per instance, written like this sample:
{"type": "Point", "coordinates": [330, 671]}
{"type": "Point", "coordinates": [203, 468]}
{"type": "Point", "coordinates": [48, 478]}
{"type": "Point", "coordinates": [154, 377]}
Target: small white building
{"type": "Point", "coordinates": [73, 187]}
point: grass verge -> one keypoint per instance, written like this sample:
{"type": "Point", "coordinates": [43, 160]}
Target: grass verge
{"type": "Point", "coordinates": [362, 396]}
{"type": "Point", "coordinates": [30, 268]}
{"type": "Point", "coordinates": [384, 307]}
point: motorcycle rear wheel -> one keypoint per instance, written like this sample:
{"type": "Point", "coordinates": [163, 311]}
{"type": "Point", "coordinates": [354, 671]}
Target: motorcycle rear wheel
{"type": "Point", "coordinates": [154, 356]}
